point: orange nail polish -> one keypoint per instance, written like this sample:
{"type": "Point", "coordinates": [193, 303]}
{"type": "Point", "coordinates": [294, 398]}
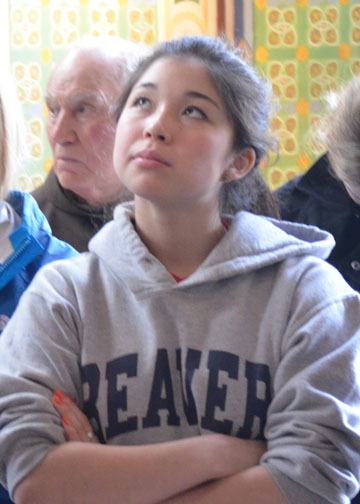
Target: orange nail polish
{"type": "Point", "coordinates": [59, 394]}
{"type": "Point", "coordinates": [57, 399]}
{"type": "Point", "coordinates": [66, 421]}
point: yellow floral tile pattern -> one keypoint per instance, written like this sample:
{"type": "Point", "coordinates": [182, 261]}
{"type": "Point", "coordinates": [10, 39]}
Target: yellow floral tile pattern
{"type": "Point", "coordinates": [306, 48]}
{"type": "Point", "coordinates": [103, 20]}
{"type": "Point", "coordinates": [355, 24]}
{"type": "Point", "coordinates": [281, 24]}
{"type": "Point", "coordinates": [323, 29]}
{"type": "Point", "coordinates": [285, 130]}
{"type": "Point", "coordinates": [64, 23]}
{"type": "Point", "coordinates": [26, 27]}
{"type": "Point", "coordinates": [142, 25]}
{"type": "Point", "coordinates": [27, 81]}
{"type": "Point", "coordinates": [283, 76]}
{"type": "Point", "coordinates": [35, 127]}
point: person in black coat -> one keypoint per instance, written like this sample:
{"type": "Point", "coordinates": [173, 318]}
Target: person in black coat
{"type": "Point", "coordinates": [320, 198]}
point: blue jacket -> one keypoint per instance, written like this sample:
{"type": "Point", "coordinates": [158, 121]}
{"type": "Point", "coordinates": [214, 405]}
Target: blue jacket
{"type": "Point", "coordinates": [33, 246]}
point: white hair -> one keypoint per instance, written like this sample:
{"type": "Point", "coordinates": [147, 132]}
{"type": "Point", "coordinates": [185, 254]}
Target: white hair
{"type": "Point", "coordinates": [122, 56]}
{"type": "Point", "coordinates": [343, 135]}
{"type": "Point", "coordinates": [125, 54]}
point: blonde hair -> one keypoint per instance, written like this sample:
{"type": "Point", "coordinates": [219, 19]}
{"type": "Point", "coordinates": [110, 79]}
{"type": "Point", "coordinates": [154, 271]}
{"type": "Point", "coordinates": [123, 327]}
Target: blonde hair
{"type": "Point", "coordinates": [343, 134]}
{"type": "Point", "coordinates": [12, 134]}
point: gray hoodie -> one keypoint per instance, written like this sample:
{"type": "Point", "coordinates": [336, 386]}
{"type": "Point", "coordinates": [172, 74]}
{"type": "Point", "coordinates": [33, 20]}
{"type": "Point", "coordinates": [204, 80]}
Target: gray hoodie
{"type": "Point", "coordinates": [261, 342]}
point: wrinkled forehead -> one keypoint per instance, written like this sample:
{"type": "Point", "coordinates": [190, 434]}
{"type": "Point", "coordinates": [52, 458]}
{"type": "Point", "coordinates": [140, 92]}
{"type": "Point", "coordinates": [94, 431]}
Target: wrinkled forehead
{"type": "Point", "coordinates": [84, 74]}
{"type": "Point", "coordinates": [73, 95]}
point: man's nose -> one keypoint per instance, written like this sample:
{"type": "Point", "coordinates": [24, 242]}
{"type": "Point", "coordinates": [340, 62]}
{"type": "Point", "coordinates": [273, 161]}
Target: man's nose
{"type": "Point", "coordinates": [63, 128]}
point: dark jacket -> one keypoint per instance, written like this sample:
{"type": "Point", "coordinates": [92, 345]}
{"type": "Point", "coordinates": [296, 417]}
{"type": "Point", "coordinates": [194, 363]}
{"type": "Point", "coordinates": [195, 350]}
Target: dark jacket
{"type": "Point", "coordinates": [70, 220]}
{"type": "Point", "coordinates": [33, 246]}
{"type": "Point", "coordinates": [320, 199]}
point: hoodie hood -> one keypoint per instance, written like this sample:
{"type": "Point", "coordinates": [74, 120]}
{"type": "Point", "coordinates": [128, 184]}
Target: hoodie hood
{"type": "Point", "coordinates": [251, 242]}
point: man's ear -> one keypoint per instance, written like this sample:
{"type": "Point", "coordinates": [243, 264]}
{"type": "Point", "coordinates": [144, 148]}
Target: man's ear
{"type": "Point", "coordinates": [240, 165]}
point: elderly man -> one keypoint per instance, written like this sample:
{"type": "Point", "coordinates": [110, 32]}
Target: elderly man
{"type": "Point", "coordinates": [79, 195]}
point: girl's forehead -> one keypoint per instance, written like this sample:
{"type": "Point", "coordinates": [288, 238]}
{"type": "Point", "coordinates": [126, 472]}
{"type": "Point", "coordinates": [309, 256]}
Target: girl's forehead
{"type": "Point", "coordinates": [172, 61]}
{"type": "Point", "coordinates": [175, 70]}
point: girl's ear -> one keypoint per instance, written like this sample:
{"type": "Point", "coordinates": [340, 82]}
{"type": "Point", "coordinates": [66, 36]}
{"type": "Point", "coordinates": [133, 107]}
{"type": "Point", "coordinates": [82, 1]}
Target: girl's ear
{"type": "Point", "coordinates": [240, 166]}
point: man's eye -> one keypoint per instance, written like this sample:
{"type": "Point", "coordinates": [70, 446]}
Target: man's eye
{"type": "Point", "coordinates": [82, 109]}
{"type": "Point", "coordinates": [51, 109]}
{"type": "Point", "coordinates": [195, 112]}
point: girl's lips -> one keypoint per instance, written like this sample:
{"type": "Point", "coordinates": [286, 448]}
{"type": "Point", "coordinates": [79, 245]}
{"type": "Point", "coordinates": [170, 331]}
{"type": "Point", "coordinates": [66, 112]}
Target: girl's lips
{"type": "Point", "coordinates": [149, 156]}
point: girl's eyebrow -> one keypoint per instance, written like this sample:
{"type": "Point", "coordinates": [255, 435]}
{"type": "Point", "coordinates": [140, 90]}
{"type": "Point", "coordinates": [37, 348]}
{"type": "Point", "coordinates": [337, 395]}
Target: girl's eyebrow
{"type": "Point", "coordinates": [197, 94]}
{"type": "Point", "coordinates": [191, 94]}
{"type": "Point", "coordinates": [146, 85]}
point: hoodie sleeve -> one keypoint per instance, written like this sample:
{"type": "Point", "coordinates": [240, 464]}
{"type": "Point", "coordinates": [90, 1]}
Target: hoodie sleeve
{"type": "Point", "coordinates": [313, 423]}
{"type": "Point", "coordinates": [39, 352]}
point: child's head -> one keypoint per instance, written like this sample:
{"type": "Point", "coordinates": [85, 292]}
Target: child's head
{"type": "Point", "coordinates": [246, 100]}
{"type": "Point", "coordinates": [11, 133]}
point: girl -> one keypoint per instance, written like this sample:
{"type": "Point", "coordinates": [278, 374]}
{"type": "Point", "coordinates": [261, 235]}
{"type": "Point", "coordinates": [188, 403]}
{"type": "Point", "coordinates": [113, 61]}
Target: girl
{"type": "Point", "coordinates": [186, 320]}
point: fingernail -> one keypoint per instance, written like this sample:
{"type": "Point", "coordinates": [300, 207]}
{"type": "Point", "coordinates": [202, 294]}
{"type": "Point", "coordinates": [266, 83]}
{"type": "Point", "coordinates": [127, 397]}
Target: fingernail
{"type": "Point", "coordinates": [59, 394]}
{"type": "Point", "coordinates": [57, 399]}
{"type": "Point", "coordinates": [66, 420]}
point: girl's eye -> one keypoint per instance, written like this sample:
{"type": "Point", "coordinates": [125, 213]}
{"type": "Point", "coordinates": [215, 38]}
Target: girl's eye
{"type": "Point", "coordinates": [141, 102]}
{"type": "Point", "coordinates": [195, 112]}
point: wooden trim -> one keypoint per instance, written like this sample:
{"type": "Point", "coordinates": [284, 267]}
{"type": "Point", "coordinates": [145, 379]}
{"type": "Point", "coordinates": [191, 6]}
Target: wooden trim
{"type": "Point", "coordinates": [221, 29]}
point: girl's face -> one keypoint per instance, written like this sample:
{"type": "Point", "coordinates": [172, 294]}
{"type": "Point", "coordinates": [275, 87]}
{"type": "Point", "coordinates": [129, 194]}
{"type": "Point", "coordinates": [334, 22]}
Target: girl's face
{"type": "Point", "coordinates": [173, 140]}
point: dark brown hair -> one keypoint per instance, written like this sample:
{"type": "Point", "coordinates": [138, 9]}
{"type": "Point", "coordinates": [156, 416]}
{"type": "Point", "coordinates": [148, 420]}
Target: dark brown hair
{"type": "Point", "coordinates": [247, 99]}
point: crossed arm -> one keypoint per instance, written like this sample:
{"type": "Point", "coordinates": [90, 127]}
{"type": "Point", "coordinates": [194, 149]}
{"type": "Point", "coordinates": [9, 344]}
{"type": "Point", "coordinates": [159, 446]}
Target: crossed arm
{"type": "Point", "coordinates": [251, 486]}
{"type": "Point", "coordinates": [203, 469]}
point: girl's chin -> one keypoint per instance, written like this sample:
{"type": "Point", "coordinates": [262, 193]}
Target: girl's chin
{"type": "Point", "coordinates": [149, 191]}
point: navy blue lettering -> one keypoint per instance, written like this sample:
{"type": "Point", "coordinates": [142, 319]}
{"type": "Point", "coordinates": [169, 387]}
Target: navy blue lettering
{"type": "Point", "coordinates": [117, 399]}
{"type": "Point", "coordinates": [256, 407]}
{"type": "Point", "coordinates": [191, 364]}
{"type": "Point", "coordinates": [216, 396]}
{"type": "Point", "coordinates": [90, 374]}
{"type": "Point", "coordinates": [161, 381]}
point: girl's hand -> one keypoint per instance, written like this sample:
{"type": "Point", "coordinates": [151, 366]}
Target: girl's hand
{"type": "Point", "coordinates": [76, 425]}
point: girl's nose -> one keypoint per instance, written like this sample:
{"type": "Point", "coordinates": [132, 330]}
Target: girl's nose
{"type": "Point", "coordinates": [158, 129]}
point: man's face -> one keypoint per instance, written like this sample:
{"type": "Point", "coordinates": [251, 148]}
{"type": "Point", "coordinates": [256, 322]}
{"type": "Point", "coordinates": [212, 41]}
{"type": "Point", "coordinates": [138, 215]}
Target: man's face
{"type": "Point", "coordinates": [81, 127]}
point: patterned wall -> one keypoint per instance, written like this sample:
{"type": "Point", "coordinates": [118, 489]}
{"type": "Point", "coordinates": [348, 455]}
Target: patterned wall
{"type": "Point", "coordinates": [42, 30]}
{"type": "Point", "coordinates": [306, 48]}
